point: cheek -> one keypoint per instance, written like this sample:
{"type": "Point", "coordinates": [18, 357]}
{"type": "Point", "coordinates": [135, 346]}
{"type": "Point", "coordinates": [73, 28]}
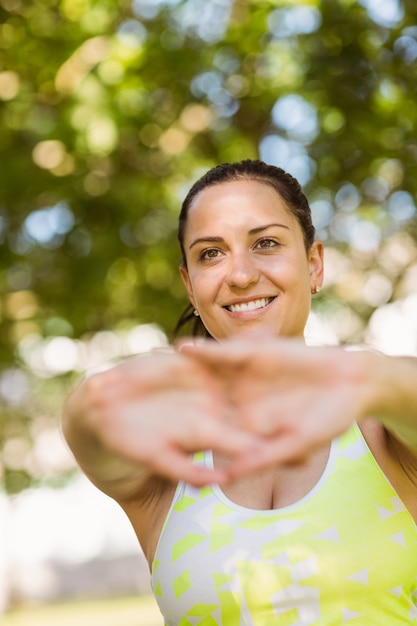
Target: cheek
{"type": "Point", "coordinates": [198, 288]}
{"type": "Point", "coordinates": [291, 275]}
{"type": "Point", "coordinates": [298, 267]}
{"type": "Point", "coordinates": [282, 268]}
{"type": "Point", "coordinates": [206, 281]}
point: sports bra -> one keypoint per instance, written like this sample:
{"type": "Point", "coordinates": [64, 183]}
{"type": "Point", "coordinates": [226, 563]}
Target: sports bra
{"type": "Point", "coordinates": [346, 553]}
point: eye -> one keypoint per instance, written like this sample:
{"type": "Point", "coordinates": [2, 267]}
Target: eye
{"type": "Point", "coordinates": [267, 244]}
{"type": "Point", "coordinates": [209, 253]}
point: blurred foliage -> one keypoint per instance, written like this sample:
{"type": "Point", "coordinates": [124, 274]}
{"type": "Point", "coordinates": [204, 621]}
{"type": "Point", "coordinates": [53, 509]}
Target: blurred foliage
{"type": "Point", "coordinates": [110, 109]}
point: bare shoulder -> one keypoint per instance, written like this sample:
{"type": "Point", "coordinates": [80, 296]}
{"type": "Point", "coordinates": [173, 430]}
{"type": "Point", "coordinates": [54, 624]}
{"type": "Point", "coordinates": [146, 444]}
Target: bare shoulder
{"type": "Point", "coordinates": [147, 511]}
{"type": "Point", "coordinates": [396, 460]}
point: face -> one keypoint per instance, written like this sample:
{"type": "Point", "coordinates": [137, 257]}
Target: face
{"type": "Point", "coordinates": [247, 266]}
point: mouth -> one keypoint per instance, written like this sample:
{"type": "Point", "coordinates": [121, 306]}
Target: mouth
{"type": "Point", "coordinates": [253, 305]}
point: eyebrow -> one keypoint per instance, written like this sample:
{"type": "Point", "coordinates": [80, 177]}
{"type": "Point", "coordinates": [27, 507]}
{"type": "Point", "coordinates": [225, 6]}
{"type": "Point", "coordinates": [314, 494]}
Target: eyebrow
{"type": "Point", "coordinates": [252, 231]}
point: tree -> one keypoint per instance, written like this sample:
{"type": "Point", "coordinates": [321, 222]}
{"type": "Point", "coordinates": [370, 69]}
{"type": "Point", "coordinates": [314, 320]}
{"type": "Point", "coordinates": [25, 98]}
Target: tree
{"type": "Point", "coordinates": [110, 109]}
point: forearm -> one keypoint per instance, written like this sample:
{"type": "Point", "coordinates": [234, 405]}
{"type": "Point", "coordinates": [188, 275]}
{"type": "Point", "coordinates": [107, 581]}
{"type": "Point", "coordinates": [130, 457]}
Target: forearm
{"type": "Point", "coordinates": [394, 396]}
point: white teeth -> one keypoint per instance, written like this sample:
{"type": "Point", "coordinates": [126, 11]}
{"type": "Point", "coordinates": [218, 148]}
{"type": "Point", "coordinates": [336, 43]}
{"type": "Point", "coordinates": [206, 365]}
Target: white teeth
{"type": "Point", "coordinates": [249, 306]}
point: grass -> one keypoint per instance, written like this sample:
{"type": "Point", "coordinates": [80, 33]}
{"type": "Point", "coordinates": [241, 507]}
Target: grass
{"type": "Point", "coordinates": [137, 611]}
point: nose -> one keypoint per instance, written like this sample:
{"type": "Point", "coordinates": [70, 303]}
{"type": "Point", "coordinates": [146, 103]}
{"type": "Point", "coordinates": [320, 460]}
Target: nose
{"type": "Point", "coordinates": [242, 271]}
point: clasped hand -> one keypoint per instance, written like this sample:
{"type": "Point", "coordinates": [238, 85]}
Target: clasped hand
{"type": "Point", "coordinates": [258, 400]}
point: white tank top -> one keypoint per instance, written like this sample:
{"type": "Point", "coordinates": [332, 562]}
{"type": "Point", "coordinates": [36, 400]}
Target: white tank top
{"type": "Point", "coordinates": [346, 553]}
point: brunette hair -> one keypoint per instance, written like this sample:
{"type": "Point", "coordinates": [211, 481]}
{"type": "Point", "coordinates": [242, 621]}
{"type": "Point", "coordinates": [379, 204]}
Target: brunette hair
{"type": "Point", "coordinates": [284, 184]}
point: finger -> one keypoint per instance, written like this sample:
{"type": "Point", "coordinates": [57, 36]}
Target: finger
{"type": "Point", "coordinates": [195, 430]}
{"type": "Point", "coordinates": [284, 450]}
{"type": "Point", "coordinates": [212, 433]}
{"type": "Point", "coordinates": [176, 466]}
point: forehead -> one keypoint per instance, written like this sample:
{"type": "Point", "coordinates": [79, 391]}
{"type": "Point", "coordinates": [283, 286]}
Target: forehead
{"type": "Point", "coordinates": [241, 199]}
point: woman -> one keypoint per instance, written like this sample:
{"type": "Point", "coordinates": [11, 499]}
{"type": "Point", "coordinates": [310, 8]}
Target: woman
{"type": "Point", "coordinates": [268, 482]}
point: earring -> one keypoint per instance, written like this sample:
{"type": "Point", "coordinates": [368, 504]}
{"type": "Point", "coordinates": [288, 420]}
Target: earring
{"type": "Point", "coordinates": [316, 289]}
{"type": "Point", "coordinates": [196, 313]}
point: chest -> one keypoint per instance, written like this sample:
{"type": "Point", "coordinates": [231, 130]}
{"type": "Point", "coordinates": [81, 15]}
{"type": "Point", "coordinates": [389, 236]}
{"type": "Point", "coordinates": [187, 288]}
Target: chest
{"type": "Point", "coordinates": [279, 487]}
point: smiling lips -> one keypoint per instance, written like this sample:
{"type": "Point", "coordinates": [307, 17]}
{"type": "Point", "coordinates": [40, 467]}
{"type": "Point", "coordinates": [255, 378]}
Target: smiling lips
{"type": "Point", "coordinates": [249, 306]}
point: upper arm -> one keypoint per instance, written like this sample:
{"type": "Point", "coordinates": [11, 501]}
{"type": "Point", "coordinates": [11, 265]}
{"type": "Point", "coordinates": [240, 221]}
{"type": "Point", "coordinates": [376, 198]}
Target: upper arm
{"type": "Point", "coordinates": [397, 462]}
{"type": "Point", "coordinates": [147, 512]}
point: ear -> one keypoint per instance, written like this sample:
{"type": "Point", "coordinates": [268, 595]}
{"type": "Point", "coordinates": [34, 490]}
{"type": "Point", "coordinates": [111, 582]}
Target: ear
{"type": "Point", "coordinates": [316, 264]}
{"type": "Point", "coordinates": [186, 280]}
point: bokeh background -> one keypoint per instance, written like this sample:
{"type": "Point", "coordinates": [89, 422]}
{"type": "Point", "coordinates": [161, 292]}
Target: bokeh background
{"type": "Point", "coordinates": [109, 110]}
